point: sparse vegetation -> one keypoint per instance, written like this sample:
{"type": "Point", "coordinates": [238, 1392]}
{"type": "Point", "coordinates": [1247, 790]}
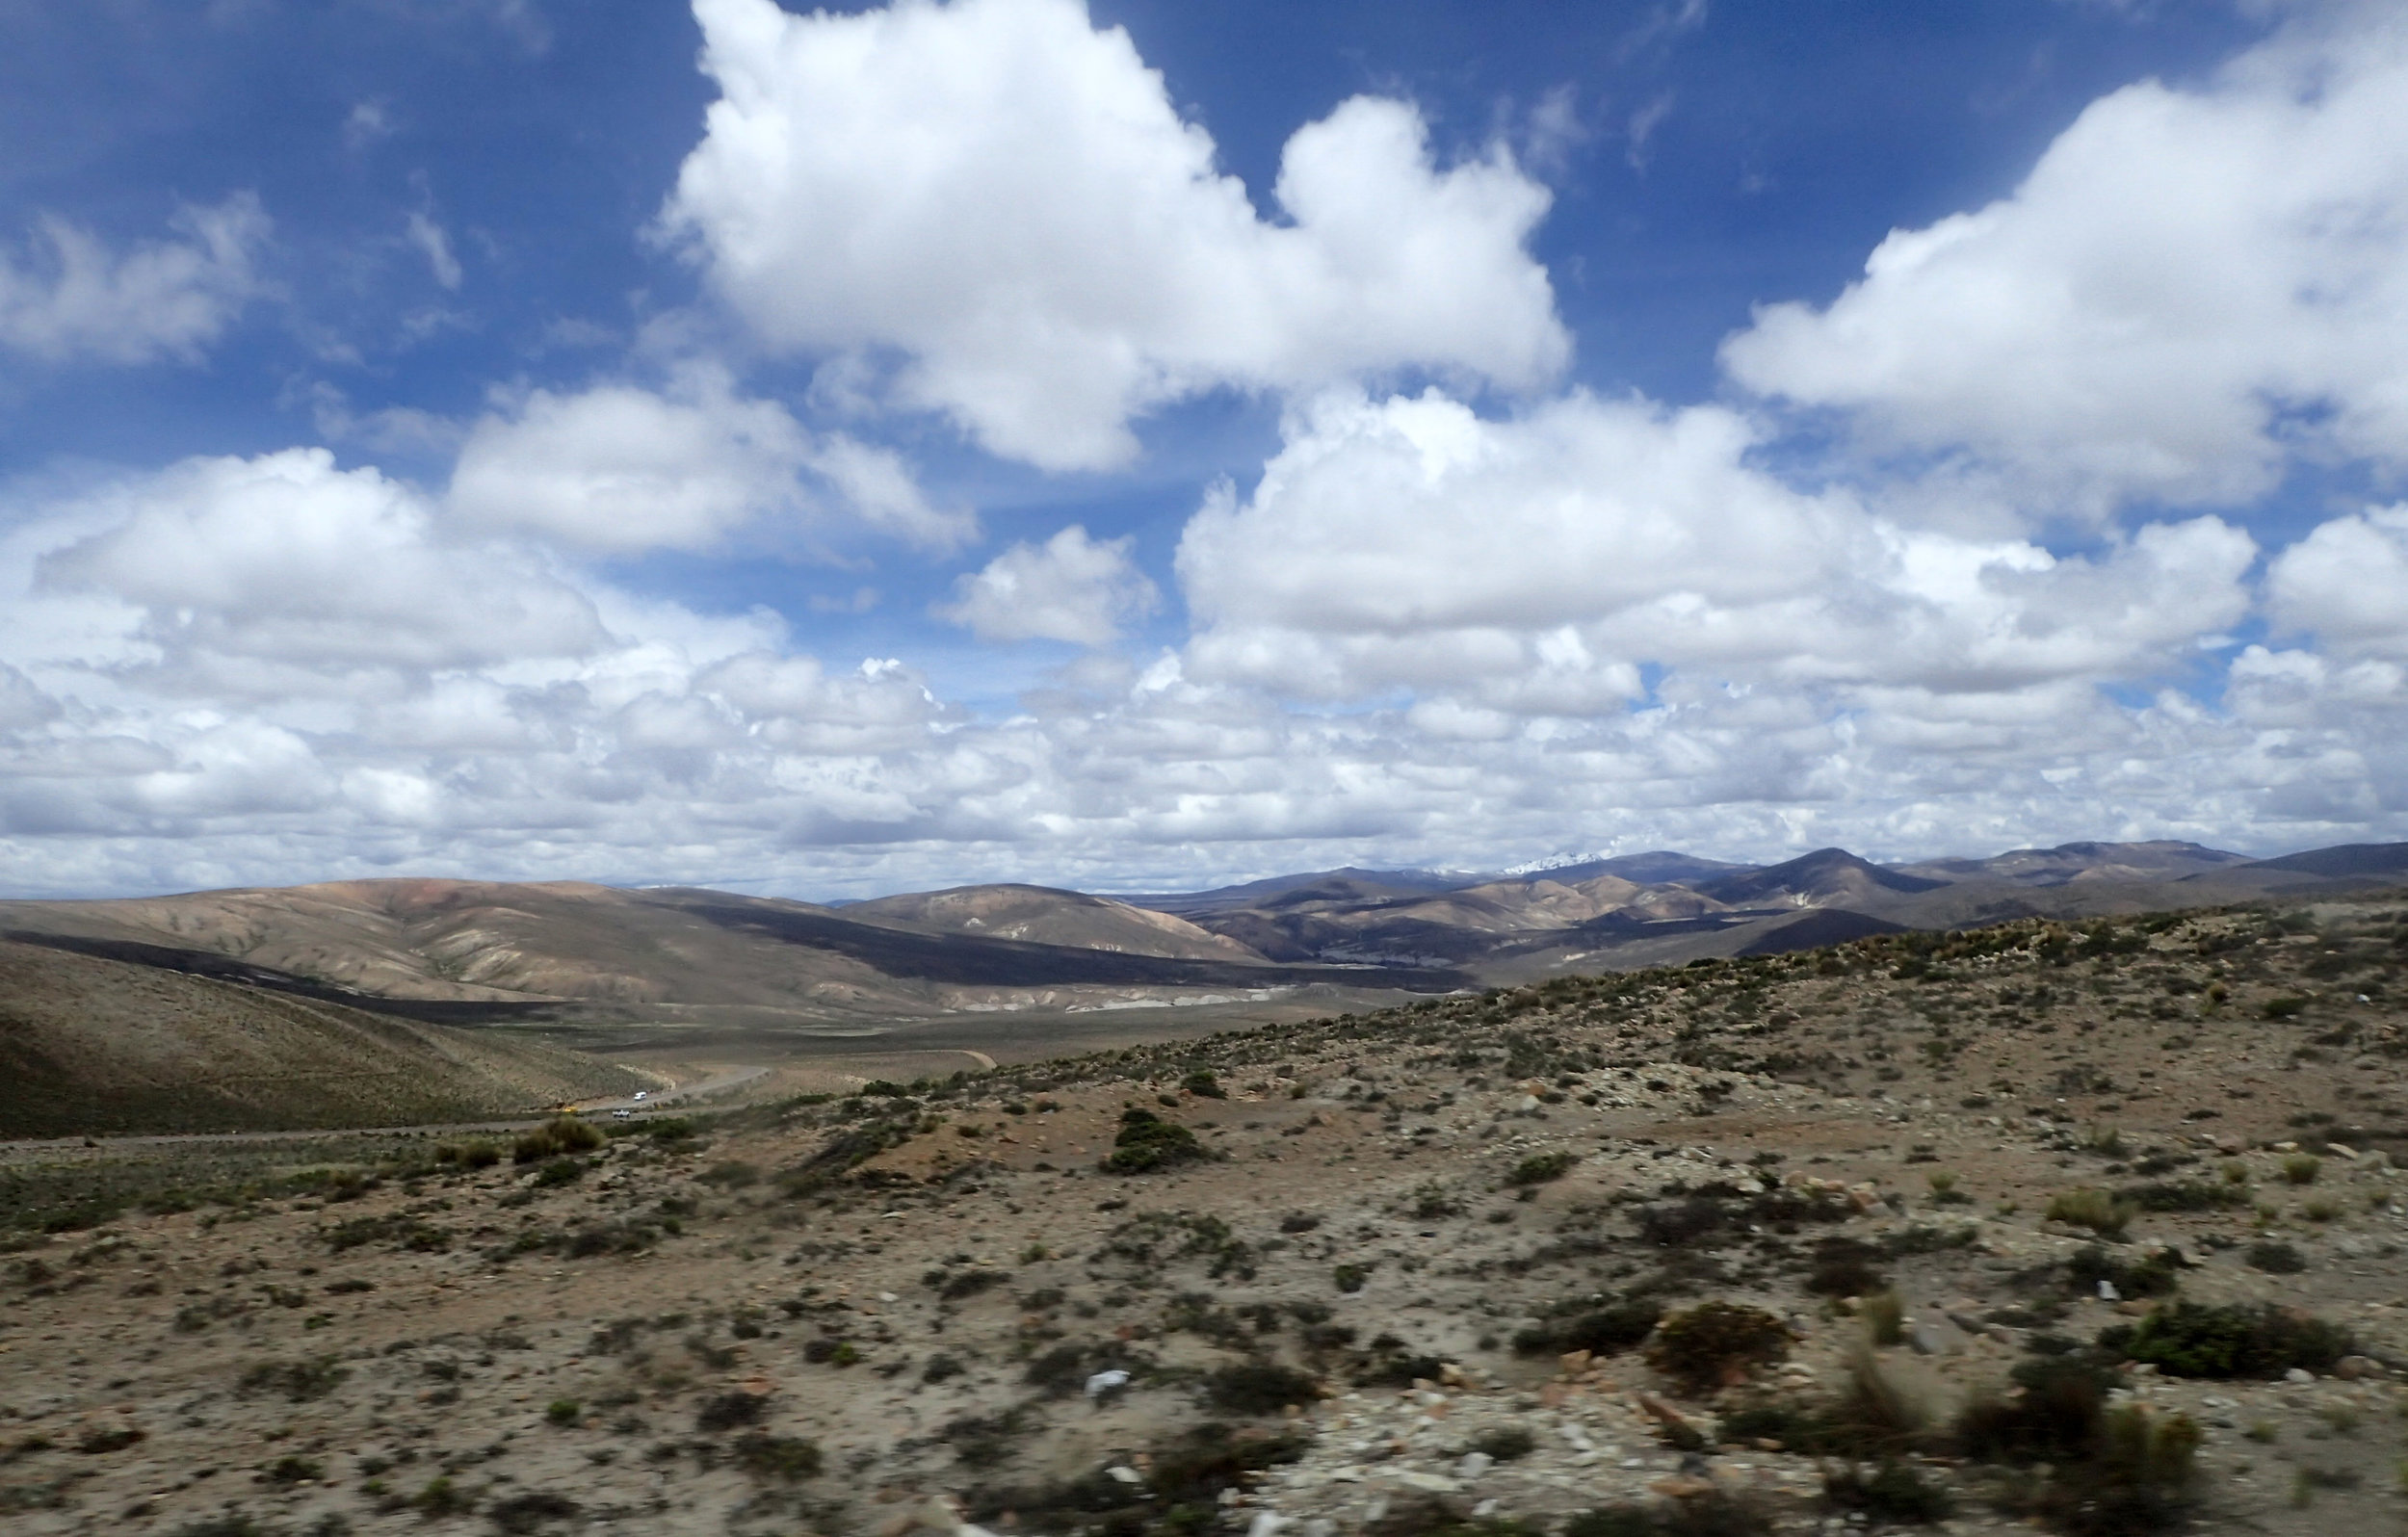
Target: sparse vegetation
{"type": "Point", "coordinates": [1541, 1168]}
{"type": "Point", "coordinates": [2096, 1209]}
{"type": "Point", "coordinates": [558, 1135]}
{"type": "Point", "coordinates": [862, 1255]}
{"type": "Point", "coordinates": [1146, 1143]}
{"type": "Point", "coordinates": [1718, 1344]}
{"type": "Point", "coordinates": [2196, 1339]}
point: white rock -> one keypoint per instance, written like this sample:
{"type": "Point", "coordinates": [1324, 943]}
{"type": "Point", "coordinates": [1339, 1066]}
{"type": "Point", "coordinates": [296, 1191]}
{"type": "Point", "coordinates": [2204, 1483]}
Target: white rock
{"type": "Point", "coordinates": [1126, 1476]}
{"type": "Point", "coordinates": [1473, 1464]}
{"type": "Point", "coordinates": [2299, 1374]}
{"type": "Point", "coordinates": [1104, 1382]}
{"type": "Point", "coordinates": [1266, 1522]}
{"type": "Point", "coordinates": [1432, 1483]}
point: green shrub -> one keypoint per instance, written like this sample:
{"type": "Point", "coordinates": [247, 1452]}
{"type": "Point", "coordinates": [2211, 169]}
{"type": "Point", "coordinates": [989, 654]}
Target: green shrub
{"type": "Point", "coordinates": [1146, 1142]}
{"type": "Point", "coordinates": [2151, 1276]}
{"type": "Point", "coordinates": [562, 1134]}
{"type": "Point", "coordinates": [1541, 1168]}
{"type": "Point", "coordinates": [2139, 1477]}
{"type": "Point", "coordinates": [2275, 1258]}
{"type": "Point", "coordinates": [476, 1154]}
{"type": "Point", "coordinates": [1892, 1491]}
{"type": "Point", "coordinates": [2183, 1195]}
{"type": "Point", "coordinates": [2302, 1168]}
{"type": "Point", "coordinates": [1258, 1388]}
{"type": "Point", "coordinates": [531, 1511]}
{"type": "Point", "coordinates": [299, 1381]}
{"type": "Point", "coordinates": [728, 1411]}
{"type": "Point", "coordinates": [1718, 1344]}
{"type": "Point", "coordinates": [103, 1439]}
{"type": "Point", "coordinates": [442, 1498]}
{"type": "Point", "coordinates": [1203, 1085]}
{"type": "Point", "coordinates": [2196, 1339]}
{"type": "Point", "coordinates": [2093, 1208]}
{"type": "Point", "coordinates": [563, 1411]}
{"type": "Point", "coordinates": [1351, 1278]}
{"type": "Point", "coordinates": [788, 1459]}
{"type": "Point", "coordinates": [2056, 1416]}
{"type": "Point", "coordinates": [1506, 1443]}
{"type": "Point", "coordinates": [559, 1172]}
{"type": "Point", "coordinates": [1604, 1331]}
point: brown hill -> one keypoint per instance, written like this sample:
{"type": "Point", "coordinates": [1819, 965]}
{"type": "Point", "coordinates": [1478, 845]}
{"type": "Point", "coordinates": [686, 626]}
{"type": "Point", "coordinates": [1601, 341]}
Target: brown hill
{"type": "Point", "coordinates": [457, 951]}
{"type": "Point", "coordinates": [1044, 916]}
{"type": "Point", "coordinates": [93, 1045]}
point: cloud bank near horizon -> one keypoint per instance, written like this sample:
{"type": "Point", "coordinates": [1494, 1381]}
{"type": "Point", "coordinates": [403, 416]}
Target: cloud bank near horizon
{"type": "Point", "coordinates": [1991, 547]}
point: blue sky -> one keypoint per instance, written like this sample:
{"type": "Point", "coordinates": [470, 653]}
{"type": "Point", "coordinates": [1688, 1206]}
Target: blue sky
{"type": "Point", "coordinates": [1142, 445]}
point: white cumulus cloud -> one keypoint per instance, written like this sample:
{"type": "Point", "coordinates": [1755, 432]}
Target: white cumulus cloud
{"type": "Point", "coordinates": [2190, 285]}
{"type": "Point", "coordinates": [265, 572]}
{"type": "Point", "coordinates": [1005, 196]}
{"type": "Point", "coordinates": [2347, 582]}
{"type": "Point", "coordinates": [1071, 588]}
{"type": "Point", "coordinates": [1539, 561]}
{"type": "Point", "coordinates": [620, 468]}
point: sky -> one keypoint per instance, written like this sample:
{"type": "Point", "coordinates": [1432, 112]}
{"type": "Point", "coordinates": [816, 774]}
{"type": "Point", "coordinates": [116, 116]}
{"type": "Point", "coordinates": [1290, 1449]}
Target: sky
{"type": "Point", "coordinates": [1135, 445]}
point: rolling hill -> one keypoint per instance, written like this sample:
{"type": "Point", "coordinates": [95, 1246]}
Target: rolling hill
{"type": "Point", "coordinates": [90, 1044]}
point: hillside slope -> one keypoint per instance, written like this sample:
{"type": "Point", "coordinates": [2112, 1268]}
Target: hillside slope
{"type": "Point", "coordinates": [88, 1044]}
{"type": "Point", "coordinates": [1044, 916]}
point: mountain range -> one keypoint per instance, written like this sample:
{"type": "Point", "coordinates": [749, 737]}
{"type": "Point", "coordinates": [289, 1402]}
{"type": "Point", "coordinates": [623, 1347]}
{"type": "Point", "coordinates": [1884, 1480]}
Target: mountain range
{"type": "Point", "coordinates": [974, 968]}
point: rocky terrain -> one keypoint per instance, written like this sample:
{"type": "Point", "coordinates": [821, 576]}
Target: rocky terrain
{"type": "Point", "coordinates": [2094, 1227]}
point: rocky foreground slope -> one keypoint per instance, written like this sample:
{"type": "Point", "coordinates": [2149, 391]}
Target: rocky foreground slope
{"type": "Point", "coordinates": [2093, 1227]}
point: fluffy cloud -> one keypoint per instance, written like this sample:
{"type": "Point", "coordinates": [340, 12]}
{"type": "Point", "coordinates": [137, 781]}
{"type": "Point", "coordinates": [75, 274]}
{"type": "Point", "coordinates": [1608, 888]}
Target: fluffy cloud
{"type": "Point", "coordinates": [1070, 587]}
{"type": "Point", "coordinates": [285, 561]}
{"type": "Point", "coordinates": [621, 469]}
{"type": "Point", "coordinates": [2190, 285]}
{"type": "Point", "coordinates": [1005, 196]}
{"type": "Point", "coordinates": [163, 299]}
{"type": "Point", "coordinates": [1535, 565]}
{"type": "Point", "coordinates": [2347, 582]}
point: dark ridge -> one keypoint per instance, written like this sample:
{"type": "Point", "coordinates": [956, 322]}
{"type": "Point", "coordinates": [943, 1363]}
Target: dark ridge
{"type": "Point", "coordinates": [977, 960]}
{"type": "Point", "coordinates": [1659, 867]}
{"type": "Point", "coordinates": [2342, 859]}
{"type": "Point", "coordinates": [1828, 926]}
{"type": "Point", "coordinates": [218, 968]}
{"type": "Point", "coordinates": [1376, 883]}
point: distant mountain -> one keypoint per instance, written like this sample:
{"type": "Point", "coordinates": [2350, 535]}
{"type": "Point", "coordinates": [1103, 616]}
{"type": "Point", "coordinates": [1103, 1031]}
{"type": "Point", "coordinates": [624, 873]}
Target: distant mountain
{"type": "Point", "coordinates": [1824, 878]}
{"type": "Point", "coordinates": [1045, 916]}
{"type": "Point", "coordinates": [1662, 867]}
{"type": "Point", "coordinates": [2164, 860]}
{"type": "Point", "coordinates": [599, 958]}
{"type": "Point", "coordinates": [1368, 884]}
{"type": "Point", "coordinates": [2343, 860]}
{"type": "Point", "coordinates": [568, 953]}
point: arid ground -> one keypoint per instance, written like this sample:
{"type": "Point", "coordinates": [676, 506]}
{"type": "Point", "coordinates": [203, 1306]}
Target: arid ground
{"type": "Point", "coordinates": [2090, 1226]}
